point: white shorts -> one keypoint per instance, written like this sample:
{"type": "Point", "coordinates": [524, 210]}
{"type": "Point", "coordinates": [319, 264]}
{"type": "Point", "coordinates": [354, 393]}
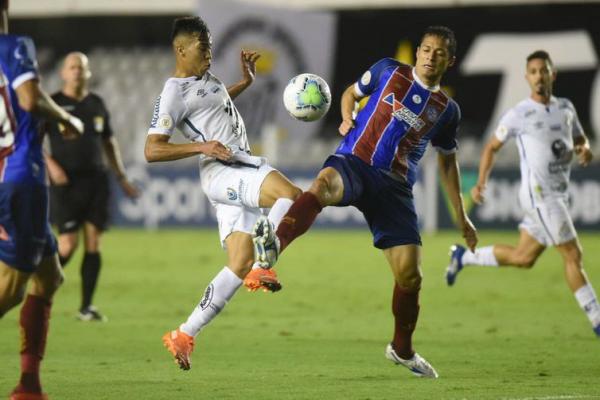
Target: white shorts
{"type": "Point", "coordinates": [234, 191]}
{"type": "Point", "coordinates": [549, 222]}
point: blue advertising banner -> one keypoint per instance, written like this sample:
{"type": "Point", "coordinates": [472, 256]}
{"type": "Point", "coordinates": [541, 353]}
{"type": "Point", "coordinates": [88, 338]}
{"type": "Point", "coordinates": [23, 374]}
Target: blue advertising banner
{"type": "Point", "coordinates": [174, 197]}
{"type": "Point", "coordinates": [501, 209]}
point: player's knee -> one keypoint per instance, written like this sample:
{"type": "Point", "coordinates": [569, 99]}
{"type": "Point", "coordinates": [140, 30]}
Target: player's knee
{"type": "Point", "coordinates": [410, 280]}
{"type": "Point", "coordinates": [66, 247]}
{"type": "Point", "coordinates": [322, 188]}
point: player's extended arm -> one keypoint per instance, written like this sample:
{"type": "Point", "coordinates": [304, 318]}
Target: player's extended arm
{"type": "Point", "coordinates": [348, 104]}
{"type": "Point", "coordinates": [111, 149]}
{"type": "Point", "coordinates": [488, 157]}
{"type": "Point", "coordinates": [582, 150]}
{"type": "Point", "coordinates": [248, 61]}
{"type": "Point", "coordinates": [158, 148]}
{"type": "Point", "coordinates": [34, 100]}
{"type": "Point", "coordinates": [450, 174]}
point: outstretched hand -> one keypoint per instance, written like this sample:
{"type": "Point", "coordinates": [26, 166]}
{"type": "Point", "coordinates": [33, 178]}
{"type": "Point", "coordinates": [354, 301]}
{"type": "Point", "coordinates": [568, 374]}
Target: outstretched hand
{"type": "Point", "coordinates": [248, 61]}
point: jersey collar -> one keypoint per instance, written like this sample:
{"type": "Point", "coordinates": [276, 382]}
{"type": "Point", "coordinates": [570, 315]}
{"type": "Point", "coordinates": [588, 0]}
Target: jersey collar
{"type": "Point", "coordinates": [422, 84]}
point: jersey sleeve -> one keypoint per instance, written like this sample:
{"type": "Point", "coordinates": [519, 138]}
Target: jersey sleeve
{"type": "Point", "coordinates": [576, 128]}
{"type": "Point", "coordinates": [508, 126]}
{"type": "Point", "coordinates": [445, 141]}
{"type": "Point", "coordinates": [369, 81]}
{"type": "Point", "coordinates": [107, 131]}
{"type": "Point", "coordinates": [169, 111]}
{"type": "Point", "coordinates": [24, 66]}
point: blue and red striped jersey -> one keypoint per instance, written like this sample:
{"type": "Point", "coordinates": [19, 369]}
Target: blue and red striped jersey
{"type": "Point", "coordinates": [401, 116]}
{"type": "Point", "coordinates": [21, 158]}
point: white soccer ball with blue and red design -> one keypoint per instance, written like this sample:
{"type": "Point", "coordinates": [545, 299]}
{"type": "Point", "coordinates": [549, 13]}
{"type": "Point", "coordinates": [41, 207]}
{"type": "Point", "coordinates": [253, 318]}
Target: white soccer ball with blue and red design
{"type": "Point", "coordinates": [307, 97]}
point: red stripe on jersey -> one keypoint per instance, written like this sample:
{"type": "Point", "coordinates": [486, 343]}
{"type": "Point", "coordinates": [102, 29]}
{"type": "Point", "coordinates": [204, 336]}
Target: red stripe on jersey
{"type": "Point", "coordinates": [436, 105]}
{"type": "Point", "coordinates": [398, 84]}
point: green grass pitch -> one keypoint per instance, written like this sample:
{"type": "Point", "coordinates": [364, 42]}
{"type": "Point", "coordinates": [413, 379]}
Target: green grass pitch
{"type": "Point", "coordinates": [497, 334]}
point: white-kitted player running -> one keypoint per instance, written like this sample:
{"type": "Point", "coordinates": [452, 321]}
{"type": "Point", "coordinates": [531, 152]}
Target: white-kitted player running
{"type": "Point", "coordinates": [547, 133]}
{"type": "Point", "coordinates": [237, 184]}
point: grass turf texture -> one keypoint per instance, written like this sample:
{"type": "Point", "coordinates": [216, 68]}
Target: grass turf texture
{"type": "Point", "coordinates": [505, 334]}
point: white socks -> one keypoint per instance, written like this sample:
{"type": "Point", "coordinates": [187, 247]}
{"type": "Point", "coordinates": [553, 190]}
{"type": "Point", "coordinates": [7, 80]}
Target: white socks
{"type": "Point", "coordinates": [217, 294]}
{"type": "Point", "coordinates": [278, 211]}
{"type": "Point", "coordinates": [588, 301]}
{"type": "Point", "coordinates": [483, 256]}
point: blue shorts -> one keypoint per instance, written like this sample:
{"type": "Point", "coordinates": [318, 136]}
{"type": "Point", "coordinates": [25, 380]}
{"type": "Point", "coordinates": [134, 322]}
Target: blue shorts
{"type": "Point", "coordinates": [25, 235]}
{"type": "Point", "coordinates": [386, 203]}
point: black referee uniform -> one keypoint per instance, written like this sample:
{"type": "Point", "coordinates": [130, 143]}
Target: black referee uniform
{"type": "Point", "coordinates": [85, 198]}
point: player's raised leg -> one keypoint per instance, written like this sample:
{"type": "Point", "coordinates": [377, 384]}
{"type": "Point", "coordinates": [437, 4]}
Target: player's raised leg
{"type": "Point", "coordinates": [523, 255]}
{"type": "Point", "coordinates": [404, 261]}
{"type": "Point", "coordinates": [277, 193]}
{"type": "Point", "coordinates": [578, 282]}
{"type": "Point", "coordinates": [326, 190]}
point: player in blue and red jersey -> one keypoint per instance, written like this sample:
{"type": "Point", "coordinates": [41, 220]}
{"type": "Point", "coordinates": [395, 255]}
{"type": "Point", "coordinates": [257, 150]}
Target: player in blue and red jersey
{"type": "Point", "coordinates": [375, 167]}
{"type": "Point", "coordinates": [27, 247]}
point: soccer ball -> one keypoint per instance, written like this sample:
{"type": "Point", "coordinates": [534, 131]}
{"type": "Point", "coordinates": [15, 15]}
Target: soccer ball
{"type": "Point", "coordinates": [307, 97]}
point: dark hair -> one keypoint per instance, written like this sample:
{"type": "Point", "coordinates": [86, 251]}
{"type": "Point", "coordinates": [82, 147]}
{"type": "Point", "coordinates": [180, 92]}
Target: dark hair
{"type": "Point", "coordinates": [542, 55]}
{"type": "Point", "coordinates": [443, 32]}
{"type": "Point", "coordinates": [189, 26]}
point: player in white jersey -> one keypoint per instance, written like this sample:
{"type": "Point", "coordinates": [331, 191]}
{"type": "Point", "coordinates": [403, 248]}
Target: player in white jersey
{"type": "Point", "coordinates": [547, 133]}
{"type": "Point", "coordinates": [238, 185]}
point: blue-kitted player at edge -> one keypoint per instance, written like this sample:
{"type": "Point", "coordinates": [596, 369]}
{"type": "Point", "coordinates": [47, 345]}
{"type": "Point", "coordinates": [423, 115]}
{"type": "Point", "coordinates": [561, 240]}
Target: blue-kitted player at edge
{"type": "Point", "coordinates": [374, 169]}
{"type": "Point", "coordinates": [28, 249]}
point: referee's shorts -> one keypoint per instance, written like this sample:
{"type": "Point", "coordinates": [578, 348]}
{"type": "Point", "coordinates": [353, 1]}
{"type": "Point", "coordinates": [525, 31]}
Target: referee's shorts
{"type": "Point", "coordinates": [84, 199]}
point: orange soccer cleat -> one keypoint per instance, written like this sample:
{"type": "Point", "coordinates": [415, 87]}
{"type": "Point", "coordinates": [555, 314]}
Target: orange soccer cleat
{"type": "Point", "coordinates": [260, 278]}
{"type": "Point", "coordinates": [180, 345]}
{"type": "Point", "coordinates": [28, 396]}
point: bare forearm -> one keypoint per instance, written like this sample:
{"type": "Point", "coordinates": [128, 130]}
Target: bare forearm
{"type": "Point", "coordinates": [111, 148]}
{"type": "Point", "coordinates": [348, 103]}
{"type": "Point", "coordinates": [164, 151]}
{"type": "Point", "coordinates": [46, 107]}
{"type": "Point", "coordinates": [236, 89]}
{"type": "Point", "coordinates": [450, 173]}
{"type": "Point", "coordinates": [486, 164]}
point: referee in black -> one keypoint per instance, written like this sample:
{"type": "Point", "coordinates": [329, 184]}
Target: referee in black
{"type": "Point", "coordinates": [79, 176]}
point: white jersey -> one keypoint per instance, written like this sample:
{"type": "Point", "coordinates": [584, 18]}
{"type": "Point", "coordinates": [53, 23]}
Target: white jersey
{"type": "Point", "coordinates": [202, 110]}
{"type": "Point", "coordinates": [544, 136]}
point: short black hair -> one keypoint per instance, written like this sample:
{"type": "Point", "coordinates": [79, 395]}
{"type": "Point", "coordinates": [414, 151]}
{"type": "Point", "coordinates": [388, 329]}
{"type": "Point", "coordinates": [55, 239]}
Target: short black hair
{"type": "Point", "coordinates": [443, 32]}
{"type": "Point", "coordinates": [189, 26]}
{"type": "Point", "coordinates": [542, 55]}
